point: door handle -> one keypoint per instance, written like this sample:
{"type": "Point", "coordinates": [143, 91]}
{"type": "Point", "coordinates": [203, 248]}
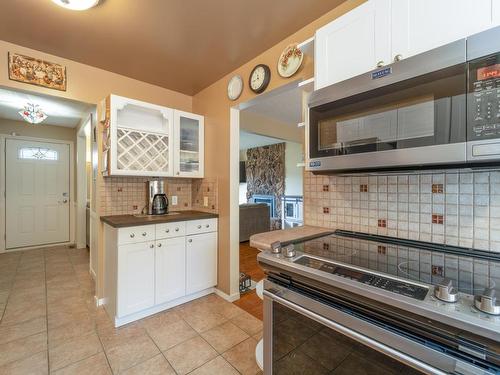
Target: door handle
{"type": "Point", "coordinates": [190, 240]}
{"type": "Point", "coordinates": [65, 201]}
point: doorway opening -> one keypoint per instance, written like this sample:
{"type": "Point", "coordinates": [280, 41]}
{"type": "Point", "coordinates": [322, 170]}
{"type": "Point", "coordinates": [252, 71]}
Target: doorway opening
{"type": "Point", "coordinates": [270, 183]}
{"type": "Point", "coordinates": [45, 170]}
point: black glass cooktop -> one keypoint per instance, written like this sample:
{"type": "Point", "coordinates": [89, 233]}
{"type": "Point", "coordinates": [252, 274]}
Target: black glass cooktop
{"type": "Point", "coordinates": [471, 271]}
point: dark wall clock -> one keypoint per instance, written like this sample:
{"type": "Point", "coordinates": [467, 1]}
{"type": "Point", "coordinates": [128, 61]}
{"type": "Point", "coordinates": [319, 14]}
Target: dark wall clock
{"type": "Point", "coordinates": [259, 78]}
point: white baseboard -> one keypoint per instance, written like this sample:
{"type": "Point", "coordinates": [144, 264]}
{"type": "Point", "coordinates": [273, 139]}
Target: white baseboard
{"type": "Point", "coordinates": [99, 301]}
{"type": "Point", "coordinates": [230, 298]}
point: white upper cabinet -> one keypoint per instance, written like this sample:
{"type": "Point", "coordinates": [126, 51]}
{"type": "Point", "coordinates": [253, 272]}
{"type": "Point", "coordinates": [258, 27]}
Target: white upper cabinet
{"type": "Point", "coordinates": [144, 139]}
{"type": "Point", "coordinates": [380, 32]}
{"type": "Point", "coordinates": [421, 25]}
{"type": "Point", "coordinates": [189, 136]}
{"type": "Point", "coordinates": [353, 44]}
{"type": "Point", "coordinates": [141, 138]}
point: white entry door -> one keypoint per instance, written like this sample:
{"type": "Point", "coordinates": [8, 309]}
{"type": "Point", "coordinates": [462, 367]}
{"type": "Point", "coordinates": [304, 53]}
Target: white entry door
{"type": "Point", "coordinates": [37, 193]}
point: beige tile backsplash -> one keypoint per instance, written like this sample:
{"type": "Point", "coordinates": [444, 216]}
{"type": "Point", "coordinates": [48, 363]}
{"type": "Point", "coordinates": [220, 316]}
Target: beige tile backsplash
{"type": "Point", "coordinates": [127, 195]}
{"type": "Point", "coordinates": [455, 207]}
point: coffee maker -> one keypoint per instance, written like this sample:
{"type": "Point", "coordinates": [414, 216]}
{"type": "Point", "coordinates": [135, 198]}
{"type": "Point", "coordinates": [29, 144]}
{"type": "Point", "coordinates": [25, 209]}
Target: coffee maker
{"type": "Point", "coordinates": [157, 199]}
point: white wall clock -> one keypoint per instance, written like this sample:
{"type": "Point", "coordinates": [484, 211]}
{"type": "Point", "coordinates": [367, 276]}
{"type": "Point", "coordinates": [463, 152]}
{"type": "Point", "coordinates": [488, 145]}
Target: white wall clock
{"type": "Point", "coordinates": [235, 87]}
{"type": "Point", "coordinates": [259, 78]}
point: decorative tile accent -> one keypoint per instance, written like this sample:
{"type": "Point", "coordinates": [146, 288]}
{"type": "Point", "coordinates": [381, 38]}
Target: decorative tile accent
{"type": "Point", "coordinates": [326, 210]}
{"type": "Point", "coordinates": [326, 188]}
{"type": "Point", "coordinates": [454, 207]}
{"type": "Point", "coordinates": [437, 188]}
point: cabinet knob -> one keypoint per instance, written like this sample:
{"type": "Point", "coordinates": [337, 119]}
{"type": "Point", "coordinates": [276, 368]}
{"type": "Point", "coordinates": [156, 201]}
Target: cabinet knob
{"type": "Point", "coordinates": [151, 246]}
{"type": "Point", "coordinates": [176, 229]}
{"type": "Point", "coordinates": [199, 226]}
{"type": "Point", "coordinates": [167, 231]}
{"type": "Point", "coordinates": [144, 234]}
{"type": "Point", "coordinates": [380, 64]}
{"type": "Point", "coordinates": [207, 226]}
{"type": "Point", "coordinates": [132, 235]}
{"type": "Point", "coordinates": [159, 245]}
{"type": "Point", "coordinates": [398, 57]}
{"type": "Point", "coordinates": [190, 240]}
{"type": "Point", "coordinates": [178, 173]}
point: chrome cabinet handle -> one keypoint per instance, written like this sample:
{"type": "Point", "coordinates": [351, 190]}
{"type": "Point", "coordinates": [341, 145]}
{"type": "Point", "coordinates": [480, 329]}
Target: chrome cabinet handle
{"type": "Point", "coordinates": [398, 57]}
{"type": "Point", "coordinates": [176, 229]}
{"type": "Point", "coordinates": [167, 231]}
{"type": "Point", "coordinates": [190, 240]}
{"type": "Point", "coordinates": [380, 64]}
{"type": "Point", "coordinates": [159, 245]}
{"type": "Point", "coordinates": [144, 234]}
{"type": "Point", "coordinates": [151, 246]}
{"type": "Point", "coordinates": [199, 226]}
{"type": "Point", "coordinates": [132, 235]}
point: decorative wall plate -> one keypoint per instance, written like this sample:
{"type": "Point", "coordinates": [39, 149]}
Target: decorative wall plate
{"type": "Point", "coordinates": [235, 87]}
{"type": "Point", "coordinates": [290, 60]}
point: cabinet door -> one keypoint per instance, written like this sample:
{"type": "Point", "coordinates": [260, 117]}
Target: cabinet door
{"type": "Point", "coordinates": [353, 44]}
{"type": "Point", "coordinates": [141, 136]}
{"type": "Point", "coordinates": [189, 145]}
{"type": "Point", "coordinates": [136, 282]}
{"type": "Point", "coordinates": [421, 25]}
{"type": "Point", "coordinates": [170, 269]}
{"type": "Point", "coordinates": [201, 262]}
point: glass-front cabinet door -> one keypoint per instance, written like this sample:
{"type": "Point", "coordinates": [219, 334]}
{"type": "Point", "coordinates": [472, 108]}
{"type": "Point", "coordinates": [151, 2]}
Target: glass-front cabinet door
{"type": "Point", "coordinates": [189, 145]}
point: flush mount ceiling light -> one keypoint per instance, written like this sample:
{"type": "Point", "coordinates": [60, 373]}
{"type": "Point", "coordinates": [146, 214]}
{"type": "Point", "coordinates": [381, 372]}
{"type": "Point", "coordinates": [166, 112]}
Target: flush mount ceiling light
{"type": "Point", "coordinates": [32, 113]}
{"type": "Point", "coordinates": [76, 4]}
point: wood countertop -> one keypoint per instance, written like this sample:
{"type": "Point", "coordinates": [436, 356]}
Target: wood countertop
{"type": "Point", "coordinates": [263, 241]}
{"type": "Point", "coordinates": [123, 221]}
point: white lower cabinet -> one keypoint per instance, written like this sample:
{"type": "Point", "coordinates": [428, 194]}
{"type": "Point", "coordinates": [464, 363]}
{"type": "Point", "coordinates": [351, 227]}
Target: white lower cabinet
{"type": "Point", "coordinates": [154, 267]}
{"type": "Point", "coordinates": [136, 281]}
{"type": "Point", "coordinates": [201, 262]}
{"type": "Point", "coordinates": [170, 269]}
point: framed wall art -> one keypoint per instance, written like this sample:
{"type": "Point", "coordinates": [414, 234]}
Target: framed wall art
{"type": "Point", "coordinates": [37, 72]}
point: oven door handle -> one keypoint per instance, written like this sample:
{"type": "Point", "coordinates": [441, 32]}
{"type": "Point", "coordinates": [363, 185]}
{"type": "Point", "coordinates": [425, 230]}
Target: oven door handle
{"type": "Point", "coordinates": [387, 350]}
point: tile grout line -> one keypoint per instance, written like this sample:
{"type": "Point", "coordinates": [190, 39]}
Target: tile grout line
{"type": "Point", "coordinates": [11, 286]}
{"type": "Point", "coordinates": [161, 352]}
{"type": "Point", "coordinates": [46, 310]}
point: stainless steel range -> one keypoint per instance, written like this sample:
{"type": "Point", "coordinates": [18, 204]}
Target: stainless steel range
{"type": "Point", "coordinates": [355, 303]}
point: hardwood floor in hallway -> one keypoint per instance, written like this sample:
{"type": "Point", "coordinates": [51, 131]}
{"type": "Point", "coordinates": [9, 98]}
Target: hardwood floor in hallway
{"type": "Point", "coordinates": [249, 301]}
{"type": "Point", "coordinates": [49, 324]}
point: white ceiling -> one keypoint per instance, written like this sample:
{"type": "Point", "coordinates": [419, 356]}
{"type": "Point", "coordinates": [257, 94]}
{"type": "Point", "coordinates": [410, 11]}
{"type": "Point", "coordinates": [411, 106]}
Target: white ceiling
{"type": "Point", "coordinates": [60, 112]}
{"type": "Point", "coordinates": [251, 140]}
{"type": "Point", "coordinates": [285, 107]}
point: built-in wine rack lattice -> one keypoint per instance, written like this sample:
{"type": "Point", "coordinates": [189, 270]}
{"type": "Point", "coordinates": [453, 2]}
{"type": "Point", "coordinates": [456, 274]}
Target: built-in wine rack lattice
{"type": "Point", "coordinates": [141, 151]}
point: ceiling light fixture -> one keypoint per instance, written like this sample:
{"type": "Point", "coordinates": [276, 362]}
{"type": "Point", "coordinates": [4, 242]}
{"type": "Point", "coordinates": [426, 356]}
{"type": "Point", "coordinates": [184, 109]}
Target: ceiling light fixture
{"type": "Point", "coordinates": [32, 113]}
{"type": "Point", "coordinates": [76, 4]}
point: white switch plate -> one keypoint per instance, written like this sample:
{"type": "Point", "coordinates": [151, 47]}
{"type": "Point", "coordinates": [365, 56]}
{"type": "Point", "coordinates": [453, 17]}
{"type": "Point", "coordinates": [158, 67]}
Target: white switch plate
{"type": "Point", "coordinates": [205, 201]}
{"type": "Point", "coordinates": [174, 200]}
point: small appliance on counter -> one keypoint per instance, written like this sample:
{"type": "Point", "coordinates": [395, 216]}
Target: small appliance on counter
{"type": "Point", "coordinates": [157, 199]}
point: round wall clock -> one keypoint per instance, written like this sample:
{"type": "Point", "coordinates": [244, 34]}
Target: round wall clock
{"type": "Point", "coordinates": [259, 78]}
{"type": "Point", "coordinates": [235, 87]}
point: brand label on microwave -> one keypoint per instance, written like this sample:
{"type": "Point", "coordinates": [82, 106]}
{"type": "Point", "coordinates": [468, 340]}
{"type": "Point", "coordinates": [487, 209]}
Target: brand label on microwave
{"type": "Point", "coordinates": [381, 73]}
{"type": "Point", "coordinates": [315, 164]}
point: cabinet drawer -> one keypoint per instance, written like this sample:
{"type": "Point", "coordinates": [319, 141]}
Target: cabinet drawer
{"type": "Point", "coordinates": [170, 230]}
{"type": "Point", "coordinates": [201, 226]}
{"type": "Point", "coordinates": [136, 234]}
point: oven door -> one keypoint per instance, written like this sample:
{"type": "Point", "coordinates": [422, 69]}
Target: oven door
{"type": "Point", "coordinates": [411, 115]}
{"type": "Point", "coordinates": [302, 335]}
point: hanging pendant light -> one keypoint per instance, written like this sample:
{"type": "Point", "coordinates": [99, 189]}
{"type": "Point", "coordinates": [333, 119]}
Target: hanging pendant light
{"type": "Point", "coordinates": [32, 113]}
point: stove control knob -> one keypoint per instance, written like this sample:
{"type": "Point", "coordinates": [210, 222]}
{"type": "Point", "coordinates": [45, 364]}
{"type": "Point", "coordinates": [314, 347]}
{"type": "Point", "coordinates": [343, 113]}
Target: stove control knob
{"type": "Point", "coordinates": [445, 291]}
{"type": "Point", "coordinates": [276, 247]}
{"type": "Point", "coordinates": [488, 302]}
{"type": "Point", "coordinates": [289, 251]}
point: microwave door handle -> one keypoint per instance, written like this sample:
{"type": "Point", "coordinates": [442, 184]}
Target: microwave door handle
{"type": "Point", "coordinates": [412, 361]}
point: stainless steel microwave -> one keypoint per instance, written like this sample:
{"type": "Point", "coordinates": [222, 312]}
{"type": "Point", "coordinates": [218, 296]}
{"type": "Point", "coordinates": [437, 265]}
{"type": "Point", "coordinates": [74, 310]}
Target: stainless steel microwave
{"type": "Point", "coordinates": [439, 108]}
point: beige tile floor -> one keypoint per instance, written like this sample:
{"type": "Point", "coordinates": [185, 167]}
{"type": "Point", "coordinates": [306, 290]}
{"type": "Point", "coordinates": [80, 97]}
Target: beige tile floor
{"type": "Point", "coordinates": [49, 324]}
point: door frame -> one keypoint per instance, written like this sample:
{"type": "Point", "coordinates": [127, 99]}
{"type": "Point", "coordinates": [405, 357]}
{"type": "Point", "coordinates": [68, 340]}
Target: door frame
{"type": "Point", "coordinates": [72, 201]}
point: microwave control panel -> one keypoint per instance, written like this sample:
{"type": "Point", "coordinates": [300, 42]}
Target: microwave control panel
{"type": "Point", "coordinates": [484, 98]}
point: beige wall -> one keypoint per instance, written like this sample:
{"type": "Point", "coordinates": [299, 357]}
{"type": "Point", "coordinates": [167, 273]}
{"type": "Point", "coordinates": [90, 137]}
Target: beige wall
{"type": "Point", "coordinates": [37, 131]}
{"type": "Point", "coordinates": [263, 125]}
{"type": "Point", "coordinates": [213, 103]}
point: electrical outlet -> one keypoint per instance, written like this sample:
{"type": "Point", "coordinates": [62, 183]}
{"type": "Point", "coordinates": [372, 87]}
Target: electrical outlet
{"type": "Point", "coordinates": [174, 200]}
{"type": "Point", "coordinates": [205, 201]}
